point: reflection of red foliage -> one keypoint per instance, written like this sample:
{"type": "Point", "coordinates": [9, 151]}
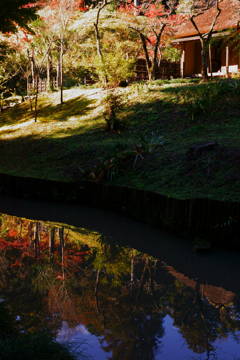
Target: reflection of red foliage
{"type": "Point", "coordinates": [16, 264]}
{"type": "Point", "coordinates": [60, 277]}
{"type": "Point", "coordinates": [21, 248]}
{"type": "Point", "coordinates": [12, 233]}
{"type": "Point", "coordinates": [4, 244]}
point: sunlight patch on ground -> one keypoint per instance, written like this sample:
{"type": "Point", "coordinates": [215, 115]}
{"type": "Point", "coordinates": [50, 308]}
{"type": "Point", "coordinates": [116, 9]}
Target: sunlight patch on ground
{"type": "Point", "coordinates": [66, 126]}
{"type": "Point", "coordinates": [17, 126]}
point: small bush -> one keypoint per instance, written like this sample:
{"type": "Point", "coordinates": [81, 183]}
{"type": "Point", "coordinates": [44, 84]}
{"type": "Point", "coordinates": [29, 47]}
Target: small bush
{"type": "Point", "coordinates": [113, 104]}
{"type": "Point", "coordinates": [116, 68]}
{"type": "Point", "coordinates": [152, 141]}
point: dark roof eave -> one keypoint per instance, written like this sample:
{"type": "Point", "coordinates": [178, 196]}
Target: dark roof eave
{"type": "Point", "coordinates": [197, 37]}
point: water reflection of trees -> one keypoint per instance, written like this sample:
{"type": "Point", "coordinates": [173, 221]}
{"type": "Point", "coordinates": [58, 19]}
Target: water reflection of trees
{"type": "Point", "coordinates": [60, 272]}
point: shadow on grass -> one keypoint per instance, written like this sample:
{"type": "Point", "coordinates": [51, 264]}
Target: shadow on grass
{"type": "Point", "coordinates": [167, 167]}
{"type": "Point", "coordinates": [61, 112]}
{"type": "Point", "coordinates": [7, 132]}
{"type": "Point", "coordinates": [78, 106]}
{"type": "Point", "coordinates": [19, 113]}
{"type": "Point", "coordinates": [213, 88]}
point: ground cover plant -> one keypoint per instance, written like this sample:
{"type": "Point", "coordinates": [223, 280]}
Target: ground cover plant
{"type": "Point", "coordinates": [177, 137]}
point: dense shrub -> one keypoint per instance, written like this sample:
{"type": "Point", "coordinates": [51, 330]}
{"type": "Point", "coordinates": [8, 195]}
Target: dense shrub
{"type": "Point", "coordinates": [116, 68]}
{"type": "Point", "coordinates": [112, 104]}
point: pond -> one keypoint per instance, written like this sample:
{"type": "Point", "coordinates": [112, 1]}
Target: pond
{"type": "Point", "coordinates": [108, 287]}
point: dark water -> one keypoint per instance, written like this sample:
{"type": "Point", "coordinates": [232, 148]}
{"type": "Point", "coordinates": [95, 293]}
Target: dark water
{"type": "Point", "coordinates": [111, 288]}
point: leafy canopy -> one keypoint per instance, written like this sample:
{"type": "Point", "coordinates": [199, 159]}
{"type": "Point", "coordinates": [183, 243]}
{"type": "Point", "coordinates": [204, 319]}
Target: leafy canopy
{"type": "Point", "coordinates": [15, 13]}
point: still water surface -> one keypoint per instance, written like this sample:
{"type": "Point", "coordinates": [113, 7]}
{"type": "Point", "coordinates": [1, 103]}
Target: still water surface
{"type": "Point", "coordinates": [111, 288]}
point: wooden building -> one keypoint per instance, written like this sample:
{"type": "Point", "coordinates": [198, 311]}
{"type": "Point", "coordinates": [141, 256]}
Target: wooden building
{"type": "Point", "coordinates": [223, 58]}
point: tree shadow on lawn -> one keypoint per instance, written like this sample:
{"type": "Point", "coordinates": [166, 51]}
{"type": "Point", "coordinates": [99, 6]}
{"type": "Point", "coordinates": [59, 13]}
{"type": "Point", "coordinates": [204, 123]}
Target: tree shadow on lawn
{"type": "Point", "coordinates": [153, 115]}
{"type": "Point", "coordinates": [17, 114]}
{"type": "Point", "coordinates": [180, 108]}
{"type": "Point", "coordinates": [78, 106]}
{"type": "Point", "coordinates": [84, 147]}
{"type": "Point", "coordinates": [62, 112]}
{"type": "Point", "coordinates": [215, 91]}
{"type": "Point", "coordinates": [56, 158]}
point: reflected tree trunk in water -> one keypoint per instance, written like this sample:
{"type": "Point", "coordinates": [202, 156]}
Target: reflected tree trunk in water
{"type": "Point", "coordinates": [96, 293]}
{"type": "Point", "coordinates": [132, 272]}
{"type": "Point", "coordinates": [142, 280]}
{"type": "Point", "coordinates": [203, 316]}
{"type": "Point", "coordinates": [96, 289]}
{"type": "Point", "coordinates": [61, 248]}
{"type": "Point", "coordinates": [36, 239]}
{"type": "Point", "coordinates": [51, 243]}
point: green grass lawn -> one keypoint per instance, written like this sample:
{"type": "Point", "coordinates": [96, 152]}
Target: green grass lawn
{"type": "Point", "coordinates": [161, 121]}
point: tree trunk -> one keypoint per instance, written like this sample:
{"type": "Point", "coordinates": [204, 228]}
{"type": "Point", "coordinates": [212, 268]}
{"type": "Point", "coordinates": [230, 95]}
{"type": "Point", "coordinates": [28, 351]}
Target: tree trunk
{"type": "Point", "coordinates": [98, 42]}
{"type": "Point", "coordinates": [155, 65]}
{"type": "Point", "coordinates": [36, 99]}
{"type": "Point", "coordinates": [204, 57]}
{"type": "Point", "coordinates": [155, 59]}
{"type": "Point", "coordinates": [48, 87]}
{"type": "Point", "coordinates": [145, 50]}
{"type": "Point", "coordinates": [57, 75]}
{"type": "Point", "coordinates": [61, 71]}
{"type": "Point", "coordinates": [205, 39]}
{"type": "Point", "coordinates": [33, 69]}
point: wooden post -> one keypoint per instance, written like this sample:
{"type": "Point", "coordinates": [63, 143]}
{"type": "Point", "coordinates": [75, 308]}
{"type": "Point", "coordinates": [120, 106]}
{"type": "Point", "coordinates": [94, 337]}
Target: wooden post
{"type": "Point", "coordinates": [182, 64]}
{"type": "Point", "coordinates": [227, 61]}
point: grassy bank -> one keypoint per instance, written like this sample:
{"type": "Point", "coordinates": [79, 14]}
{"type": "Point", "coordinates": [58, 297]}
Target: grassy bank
{"type": "Point", "coordinates": [161, 145]}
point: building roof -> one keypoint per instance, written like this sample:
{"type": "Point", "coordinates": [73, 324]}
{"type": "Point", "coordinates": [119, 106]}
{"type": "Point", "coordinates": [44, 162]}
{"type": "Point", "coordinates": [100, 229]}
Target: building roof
{"type": "Point", "coordinates": [215, 295]}
{"type": "Point", "coordinates": [228, 19]}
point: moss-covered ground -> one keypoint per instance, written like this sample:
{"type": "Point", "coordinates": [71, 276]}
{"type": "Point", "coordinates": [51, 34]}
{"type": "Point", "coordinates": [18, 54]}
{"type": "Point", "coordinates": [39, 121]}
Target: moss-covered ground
{"type": "Point", "coordinates": [161, 122]}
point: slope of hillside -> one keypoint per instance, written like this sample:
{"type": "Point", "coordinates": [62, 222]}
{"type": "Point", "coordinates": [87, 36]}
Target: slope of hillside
{"type": "Point", "coordinates": [177, 138]}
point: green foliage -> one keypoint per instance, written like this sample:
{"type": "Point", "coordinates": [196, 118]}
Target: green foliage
{"type": "Point", "coordinates": [80, 75]}
{"type": "Point", "coordinates": [10, 64]}
{"type": "Point", "coordinates": [16, 13]}
{"type": "Point", "coordinates": [116, 67]}
{"type": "Point", "coordinates": [233, 39]}
{"type": "Point", "coordinates": [171, 54]}
{"type": "Point", "coordinates": [113, 104]}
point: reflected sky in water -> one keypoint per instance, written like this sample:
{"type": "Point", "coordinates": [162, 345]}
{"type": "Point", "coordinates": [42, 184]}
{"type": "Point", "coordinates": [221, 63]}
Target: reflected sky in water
{"type": "Point", "coordinates": [104, 300]}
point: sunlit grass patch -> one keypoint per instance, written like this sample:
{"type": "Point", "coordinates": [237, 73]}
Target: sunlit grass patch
{"type": "Point", "coordinates": [70, 142]}
{"type": "Point", "coordinates": [78, 112]}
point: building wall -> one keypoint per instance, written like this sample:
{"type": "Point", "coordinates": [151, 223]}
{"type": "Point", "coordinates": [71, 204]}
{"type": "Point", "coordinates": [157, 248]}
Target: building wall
{"type": "Point", "coordinates": [190, 56]}
{"type": "Point", "coordinates": [192, 62]}
{"type": "Point", "coordinates": [234, 58]}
